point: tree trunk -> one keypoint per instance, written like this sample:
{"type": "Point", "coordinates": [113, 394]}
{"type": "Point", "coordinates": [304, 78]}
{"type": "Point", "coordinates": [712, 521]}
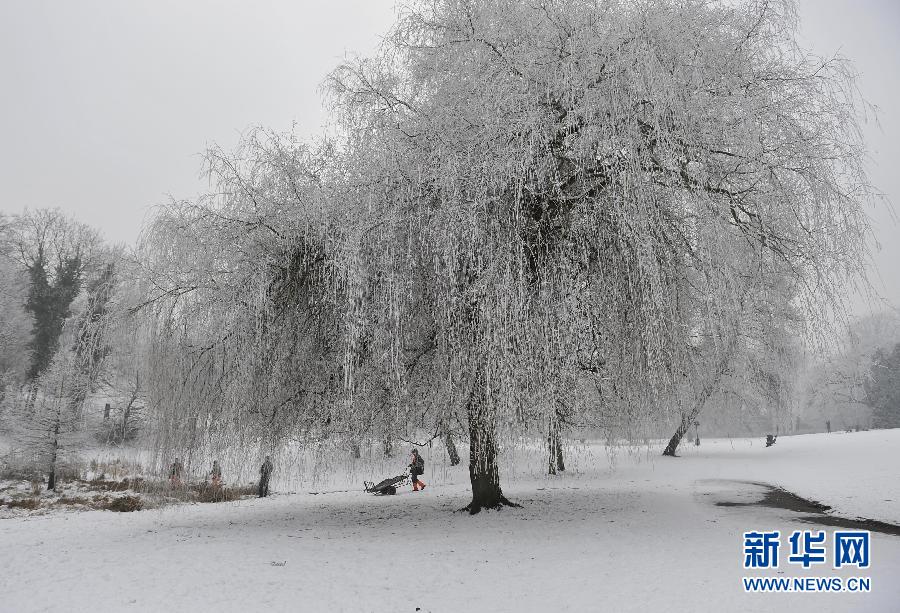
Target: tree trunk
{"type": "Point", "coordinates": [560, 465]}
{"type": "Point", "coordinates": [125, 415]}
{"type": "Point", "coordinates": [31, 397]}
{"type": "Point", "coordinates": [672, 447]}
{"type": "Point", "coordinates": [551, 447]}
{"type": "Point", "coordinates": [354, 450]}
{"type": "Point", "coordinates": [705, 393]}
{"type": "Point", "coordinates": [483, 471]}
{"type": "Point", "coordinates": [451, 448]}
{"type": "Point", "coordinates": [555, 457]}
{"type": "Point", "coordinates": [51, 477]}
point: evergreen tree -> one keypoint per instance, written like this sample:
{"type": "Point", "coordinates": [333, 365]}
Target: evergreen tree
{"type": "Point", "coordinates": [57, 253]}
{"type": "Point", "coordinates": [48, 302]}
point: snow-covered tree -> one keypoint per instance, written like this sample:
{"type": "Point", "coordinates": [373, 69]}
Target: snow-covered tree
{"type": "Point", "coordinates": [65, 275]}
{"type": "Point", "coordinates": [519, 202]}
{"type": "Point", "coordinates": [240, 308]}
{"type": "Point", "coordinates": [121, 380]}
{"type": "Point", "coordinates": [57, 254]}
{"type": "Point", "coordinates": [835, 386]}
{"type": "Point", "coordinates": [576, 177]}
{"type": "Point", "coordinates": [15, 326]}
{"type": "Point", "coordinates": [744, 359]}
{"type": "Point", "coordinates": [46, 420]}
{"type": "Point", "coordinates": [883, 388]}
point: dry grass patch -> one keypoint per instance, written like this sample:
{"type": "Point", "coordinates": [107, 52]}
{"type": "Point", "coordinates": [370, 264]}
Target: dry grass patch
{"type": "Point", "coordinates": [208, 493]}
{"type": "Point", "coordinates": [108, 485]}
{"type": "Point", "coordinates": [124, 496]}
{"type": "Point", "coordinates": [70, 501]}
{"type": "Point", "coordinates": [125, 504]}
{"type": "Point", "coordinates": [29, 504]}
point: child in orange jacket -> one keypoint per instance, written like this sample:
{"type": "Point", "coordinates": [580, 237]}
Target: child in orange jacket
{"type": "Point", "coordinates": [416, 468]}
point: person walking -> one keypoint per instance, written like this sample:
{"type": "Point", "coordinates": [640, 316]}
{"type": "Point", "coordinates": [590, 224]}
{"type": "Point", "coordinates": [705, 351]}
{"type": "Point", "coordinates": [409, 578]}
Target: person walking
{"type": "Point", "coordinates": [416, 468]}
{"type": "Point", "coordinates": [175, 472]}
{"type": "Point", "coordinates": [265, 472]}
{"type": "Point", "coordinates": [215, 475]}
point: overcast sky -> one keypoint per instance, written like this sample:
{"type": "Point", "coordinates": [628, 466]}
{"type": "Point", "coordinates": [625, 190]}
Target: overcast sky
{"type": "Point", "coordinates": [105, 105]}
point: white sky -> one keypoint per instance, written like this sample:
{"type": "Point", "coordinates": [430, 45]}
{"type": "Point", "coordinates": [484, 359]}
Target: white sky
{"type": "Point", "coordinates": [105, 105]}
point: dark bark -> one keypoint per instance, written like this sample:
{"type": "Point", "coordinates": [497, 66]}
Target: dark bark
{"type": "Point", "coordinates": [483, 471]}
{"type": "Point", "coordinates": [554, 446]}
{"type": "Point", "coordinates": [51, 477]}
{"type": "Point", "coordinates": [126, 414]}
{"type": "Point", "coordinates": [560, 465]}
{"type": "Point", "coordinates": [672, 447]}
{"type": "Point", "coordinates": [451, 448]}
{"type": "Point", "coordinates": [705, 393]}
{"type": "Point", "coordinates": [129, 410]}
{"type": "Point", "coordinates": [551, 463]}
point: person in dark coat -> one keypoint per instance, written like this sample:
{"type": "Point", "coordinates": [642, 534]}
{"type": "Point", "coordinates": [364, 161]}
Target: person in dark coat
{"type": "Point", "coordinates": [265, 471]}
{"type": "Point", "coordinates": [175, 472]}
{"type": "Point", "coordinates": [215, 475]}
{"type": "Point", "coordinates": [416, 468]}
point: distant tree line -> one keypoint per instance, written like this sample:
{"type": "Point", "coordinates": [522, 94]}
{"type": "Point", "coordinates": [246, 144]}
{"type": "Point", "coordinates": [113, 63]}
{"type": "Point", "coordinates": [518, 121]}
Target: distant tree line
{"type": "Point", "coordinates": [883, 388]}
{"type": "Point", "coordinates": [65, 333]}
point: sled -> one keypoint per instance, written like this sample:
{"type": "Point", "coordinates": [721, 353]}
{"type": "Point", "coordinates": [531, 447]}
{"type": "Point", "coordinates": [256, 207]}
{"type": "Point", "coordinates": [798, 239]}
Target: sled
{"type": "Point", "coordinates": [388, 487]}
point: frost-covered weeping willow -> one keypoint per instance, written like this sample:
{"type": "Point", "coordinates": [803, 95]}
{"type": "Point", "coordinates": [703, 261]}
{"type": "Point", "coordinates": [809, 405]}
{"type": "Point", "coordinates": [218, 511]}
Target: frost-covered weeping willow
{"type": "Point", "coordinates": [528, 216]}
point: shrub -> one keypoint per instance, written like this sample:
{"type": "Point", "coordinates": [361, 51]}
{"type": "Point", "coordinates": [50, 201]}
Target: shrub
{"type": "Point", "coordinates": [114, 486]}
{"type": "Point", "coordinates": [24, 503]}
{"type": "Point", "coordinates": [125, 504]}
{"type": "Point", "coordinates": [65, 500]}
{"type": "Point", "coordinates": [208, 493]}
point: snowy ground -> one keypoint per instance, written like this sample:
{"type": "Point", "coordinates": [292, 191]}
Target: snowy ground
{"type": "Point", "coordinates": [646, 536]}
